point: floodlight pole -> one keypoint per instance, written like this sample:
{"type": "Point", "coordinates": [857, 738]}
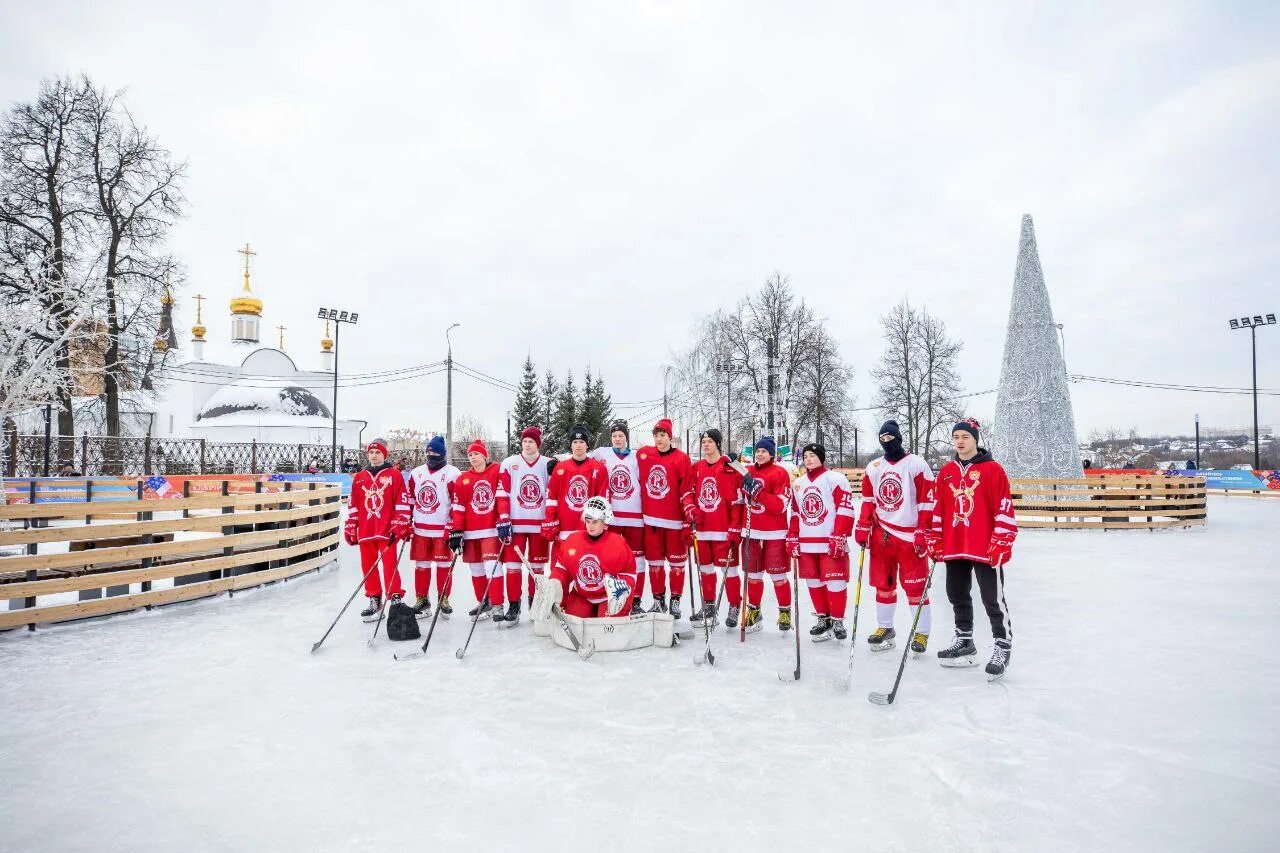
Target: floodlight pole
{"type": "Point", "coordinates": [333, 437]}
{"type": "Point", "coordinates": [1252, 323]}
{"type": "Point", "coordinates": [448, 395]}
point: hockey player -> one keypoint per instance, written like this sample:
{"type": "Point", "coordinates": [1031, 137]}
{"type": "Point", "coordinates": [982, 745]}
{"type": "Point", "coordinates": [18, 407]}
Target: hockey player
{"type": "Point", "coordinates": [768, 492]}
{"type": "Point", "coordinates": [713, 504]}
{"type": "Point", "coordinates": [818, 536]}
{"type": "Point", "coordinates": [623, 472]}
{"type": "Point", "coordinates": [572, 481]}
{"type": "Point", "coordinates": [594, 569]}
{"type": "Point", "coordinates": [973, 531]}
{"type": "Point", "coordinates": [474, 528]}
{"type": "Point", "coordinates": [378, 515]}
{"type": "Point", "coordinates": [430, 494]}
{"type": "Point", "coordinates": [664, 472]}
{"type": "Point", "coordinates": [522, 508]}
{"type": "Point", "coordinates": [896, 517]}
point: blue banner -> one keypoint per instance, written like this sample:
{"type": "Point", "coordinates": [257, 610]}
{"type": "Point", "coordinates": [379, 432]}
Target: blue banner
{"type": "Point", "coordinates": [343, 480]}
{"type": "Point", "coordinates": [1225, 478]}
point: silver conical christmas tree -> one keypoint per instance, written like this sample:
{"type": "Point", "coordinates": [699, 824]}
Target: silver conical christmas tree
{"type": "Point", "coordinates": [1035, 431]}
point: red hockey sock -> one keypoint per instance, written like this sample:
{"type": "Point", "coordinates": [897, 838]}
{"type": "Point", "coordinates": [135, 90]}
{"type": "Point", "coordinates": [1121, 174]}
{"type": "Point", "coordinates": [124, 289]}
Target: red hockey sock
{"type": "Point", "coordinates": [513, 585]}
{"type": "Point", "coordinates": [531, 583]}
{"type": "Point", "coordinates": [639, 590]}
{"type": "Point", "coordinates": [818, 595]}
{"type": "Point", "coordinates": [836, 600]}
{"type": "Point", "coordinates": [708, 586]}
{"type": "Point", "coordinates": [422, 581]}
{"type": "Point", "coordinates": [676, 580]}
{"type": "Point", "coordinates": [477, 583]}
{"type": "Point", "coordinates": [495, 590]}
{"type": "Point", "coordinates": [782, 590]}
{"type": "Point", "coordinates": [733, 590]}
{"type": "Point", "coordinates": [755, 592]}
{"type": "Point", "coordinates": [658, 580]}
{"type": "Point", "coordinates": [444, 580]}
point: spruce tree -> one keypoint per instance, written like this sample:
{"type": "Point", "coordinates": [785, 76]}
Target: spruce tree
{"type": "Point", "coordinates": [565, 414]}
{"type": "Point", "coordinates": [547, 396]}
{"type": "Point", "coordinates": [596, 408]}
{"type": "Point", "coordinates": [528, 408]}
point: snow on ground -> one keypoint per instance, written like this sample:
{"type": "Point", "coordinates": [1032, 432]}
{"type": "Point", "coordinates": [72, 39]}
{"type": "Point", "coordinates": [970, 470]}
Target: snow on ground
{"type": "Point", "coordinates": [1139, 714]}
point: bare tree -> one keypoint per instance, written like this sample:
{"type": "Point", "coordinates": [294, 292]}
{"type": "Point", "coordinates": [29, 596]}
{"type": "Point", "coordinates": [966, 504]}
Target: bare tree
{"type": "Point", "coordinates": [31, 342]}
{"type": "Point", "coordinates": [917, 381]}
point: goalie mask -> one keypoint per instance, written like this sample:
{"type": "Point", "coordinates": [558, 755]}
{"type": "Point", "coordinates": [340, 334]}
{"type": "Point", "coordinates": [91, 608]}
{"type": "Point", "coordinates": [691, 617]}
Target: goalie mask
{"type": "Point", "coordinates": [597, 509]}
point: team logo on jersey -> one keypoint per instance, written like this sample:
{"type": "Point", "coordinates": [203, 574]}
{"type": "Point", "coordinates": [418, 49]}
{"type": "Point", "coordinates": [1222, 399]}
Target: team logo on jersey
{"type": "Point", "coordinates": [813, 509]}
{"type": "Point", "coordinates": [963, 495]}
{"type": "Point", "coordinates": [889, 492]}
{"type": "Point", "coordinates": [656, 484]}
{"type": "Point", "coordinates": [620, 483]}
{"type": "Point", "coordinates": [428, 497]}
{"type": "Point", "coordinates": [529, 492]}
{"type": "Point", "coordinates": [374, 499]}
{"type": "Point", "coordinates": [576, 495]}
{"type": "Point", "coordinates": [482, 498]}
{"type": "Point", "coordinates": [589, 575]}
{"type": "Point", "coordinates": [708, 495]}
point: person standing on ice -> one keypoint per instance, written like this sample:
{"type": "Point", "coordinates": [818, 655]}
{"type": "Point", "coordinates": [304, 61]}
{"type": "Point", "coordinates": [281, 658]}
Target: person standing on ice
{"type": "Point", "coordinates": [378, 515]}
{"type": "Point", "coordinates": [623, 472]}
{"type": "Point", "coordinates": [522, 508]}
{"type": "Point", "coordinates": [572, 482]}
{"type": "Point", "coordinates": [713, 505]}
{"type": "Point", "coordinates": [821, 520]}
{"type": "Point", "coordinates": [473, 530]}
{"type": "Point", "coordinates": [895, 520]}
{"type": "Point", "coordinates": [973, 531]}
{"type": "Point", "coordinates": [594, 569]}
{"type": "Point", "coordinates": [431, 497]}
{"type": "Point", "coordinates": [664, 473]}
{"type": "Point", "coordinates": [767, 489]}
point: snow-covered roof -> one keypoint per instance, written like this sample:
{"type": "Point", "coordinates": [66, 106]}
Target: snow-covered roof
{"type": "Point", "coordinates": [246, 397]}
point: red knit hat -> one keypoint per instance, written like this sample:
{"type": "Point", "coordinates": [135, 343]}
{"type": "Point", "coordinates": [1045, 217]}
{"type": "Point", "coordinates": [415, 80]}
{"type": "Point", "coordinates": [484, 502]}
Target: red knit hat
{"type": "Point", "coordinates": [477, 446]}
{"type": "Point", "coordinates": [664, 424]}
{"type": "Point", "coordinates": [377, 444]}
{"type": "Point", "coordinates": [534, 433]}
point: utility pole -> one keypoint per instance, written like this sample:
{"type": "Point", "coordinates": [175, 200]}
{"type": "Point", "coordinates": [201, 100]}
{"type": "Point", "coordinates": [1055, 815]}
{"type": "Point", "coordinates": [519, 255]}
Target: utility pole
{"type": "Point", "coordinates": [508, 432]}
{"type": "Point", "coordinates": [855, 447]}
{"type": "Point", "coordinates": [1252, 324]}
{"type": "Point", "coordinates": [338, 318]}
{"type": "Point", "coordinates": [666, 372]}
{"type": "Point", "coordinates": [1197, 441]}
{"type": "Point", "coordinates": [448, 395]}
{"type": "Point", "coordinates": [772, 348]}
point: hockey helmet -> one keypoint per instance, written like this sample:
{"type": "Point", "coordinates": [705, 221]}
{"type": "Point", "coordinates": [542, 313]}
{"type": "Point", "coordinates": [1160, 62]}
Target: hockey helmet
{"type": "Point", "coordinates": [597, 509]}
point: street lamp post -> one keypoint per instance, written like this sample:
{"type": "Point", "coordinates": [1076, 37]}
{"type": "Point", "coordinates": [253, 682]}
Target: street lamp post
{"type": "Point", "coordinates": [1252, 324]}
{"type": "Point", "coordinates": [337, 318]}
{"type": "Point", "coordinates": [666, 373]}
{"type": "Point", "coordinates": [448, 395]}
{"type": "Point", "coordinates": [1197, 441]}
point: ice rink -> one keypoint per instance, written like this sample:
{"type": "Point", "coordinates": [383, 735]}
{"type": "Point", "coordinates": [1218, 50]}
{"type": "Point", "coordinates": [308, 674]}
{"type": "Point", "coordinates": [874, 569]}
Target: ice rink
{"type": "Point", "coordinates": [1139, 713]}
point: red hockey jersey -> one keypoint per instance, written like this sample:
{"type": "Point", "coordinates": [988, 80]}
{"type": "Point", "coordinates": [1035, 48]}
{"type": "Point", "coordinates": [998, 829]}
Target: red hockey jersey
{"type": "Point", "coordinates": [527, 483]}
{"type": "Point", "coordinates": [378, 499]}
{"type": "Point", "coordinates": [821, 507]}
{"type": "Point", "coordinates": [572, 482]}
{"type": "Point", "coordinates": [475, 503]}
{"type": "Point", "coordinates": [584, 562]}
{"type": "Point", "coordinates": [715, 493]}
{"type": "Point", "coordinates": [972, 503]}
{"type": "Point", "coordinates": [769, 509]}
{"type": "Point", "coordinates": [898, 496]}
{"type": "Point", "coordinates": [665, 478]}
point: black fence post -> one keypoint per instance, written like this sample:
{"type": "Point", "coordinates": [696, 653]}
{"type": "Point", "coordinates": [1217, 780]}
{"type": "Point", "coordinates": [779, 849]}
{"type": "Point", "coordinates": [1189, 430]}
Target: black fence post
{"type": "Point", "coordinates": [186, 493]}
{"type": "Point", "coordinates": [147, 562]}
{"type": "Point", "coordinates": [202, 456]}
{"type": "Point", "coordinates": [146, 455]}
{"type": "Point", "coordinates": [227, 531]}
{"type": "Point", "coordinates": [253, 456]}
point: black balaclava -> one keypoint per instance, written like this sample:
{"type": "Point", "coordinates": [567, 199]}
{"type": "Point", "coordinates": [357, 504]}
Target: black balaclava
{"type": "Point", "coordinates": [893, 448]}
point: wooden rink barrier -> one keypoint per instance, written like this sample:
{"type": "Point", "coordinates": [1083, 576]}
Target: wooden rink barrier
{"type": "Point", "coordinates": [112, 550]}
{"type": "Point", "coordinates": [1109, 502]}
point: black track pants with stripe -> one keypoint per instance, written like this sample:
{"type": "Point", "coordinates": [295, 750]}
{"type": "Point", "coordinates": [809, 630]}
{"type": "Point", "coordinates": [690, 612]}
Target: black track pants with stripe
{"type": "Point", "coordinates": [990, 585]}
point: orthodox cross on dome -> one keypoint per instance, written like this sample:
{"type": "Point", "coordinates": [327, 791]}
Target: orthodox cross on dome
{"type": "Point", "coordinates": [248, 253]}
{"type": "Point", "coordinates": [281, 330]}
{"type": "Point", "coordinates": [199, 305]}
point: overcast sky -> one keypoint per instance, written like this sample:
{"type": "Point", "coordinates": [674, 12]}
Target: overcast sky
{"type": "Point", "coordinates": [583, 181]}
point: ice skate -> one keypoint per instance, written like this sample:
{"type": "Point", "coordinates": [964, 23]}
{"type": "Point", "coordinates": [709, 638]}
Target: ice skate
{"type": "Point", "coordinates": [882, 639]}
{"type": "Point", "coordinates": [422, 607]}
{"type": "Point", "coordinates": [821, 631]}
{"type": "Point", "coordinates": [675, 607]}
{"type": "Point", "coordinates": [512, 617]}
{"type": "Point", "coordinates": [784, 619]}
{"type": "Point", "coordinates": [445, 609]}
{"type": "Point", "coordinates": [837, 628]}
{"type": "Point", "coordinates": [999, 662]}
{"type": "Point", "coordinates": [636, 609]}
{"type": "Point", "coordinates": [496, 614]}
{"type": "Point", "coordinates": [919, 643]}
{"type": "Point", "coordinates": [480, 609]}
{"type": "Point", "coordinates": [370, 613]}
{"type": "Point", "coordinates": [753, 620]}
{"type": "Point", "coordinates": [659, 604]}
{"type": "Point", "coordinates": [961, 652]}
{"type": "Point", "coordinates": [705, 617]}
{"type": "Point", "coordinates": [731, 618]}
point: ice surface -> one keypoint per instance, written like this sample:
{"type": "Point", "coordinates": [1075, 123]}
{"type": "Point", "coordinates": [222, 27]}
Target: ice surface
{"type": "Point", "coordinates": [1139, 714]}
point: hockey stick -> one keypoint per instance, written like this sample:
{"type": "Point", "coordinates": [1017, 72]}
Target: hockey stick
{"type": "Point", "coordinates": [795, 606]}
{"type": "Point", "coordinates": [887, 698]}
{"type": "Point", "coordinates": [488, 581]}
{"type": "Point", "coordinates": [434, 616]}
{"type": "Point", "coordinates": [842, 684]}
{"type": "Point", "coordinates": [707, 656]}
{"type": "Point", "coordinates": [318, 643]}
{"type": "Point", "coordinates": [383, 610]}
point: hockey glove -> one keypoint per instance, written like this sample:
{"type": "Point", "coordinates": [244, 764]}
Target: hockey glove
{"type": "Point", "coordinates": [837, 546]}
{"type": "Point", "coordinates": [455, 541]}
{"type": "Point", "coordinates": [862, 535]}
{"type": "Point", "coordinates": [793, 544]}
{"type": "Point", "coordinates": [935, 546]}
{"type": "Point", "coordinates": [691, 513]}
{"type": "Point", "coordinates": [1000, 549]}
{"type": "Point", "coordinates": [619, 592]}
{"type": "Point", "coordinates": [921, 542]}
{"type": "Point", "coordinates": [735, 536]}
{"type": "Point", "coordinates": [752, 486]}
{"type": "Point", "coordinates": [550, 530]}
{"type": "Point", "coordinates": [349, 530]}
{"type": "Point", "coordinates": [547, 593]}
{"type": "Point", "coordinates": [504, 533]}
{"type": "Point", "coordinates": [686, 535]}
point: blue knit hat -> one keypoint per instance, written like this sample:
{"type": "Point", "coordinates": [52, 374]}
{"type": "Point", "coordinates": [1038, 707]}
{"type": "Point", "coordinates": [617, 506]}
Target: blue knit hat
{"type": "Point", "coordinates": [435, 447]}
{"type": "Point", "coordinates": [766, 442]}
